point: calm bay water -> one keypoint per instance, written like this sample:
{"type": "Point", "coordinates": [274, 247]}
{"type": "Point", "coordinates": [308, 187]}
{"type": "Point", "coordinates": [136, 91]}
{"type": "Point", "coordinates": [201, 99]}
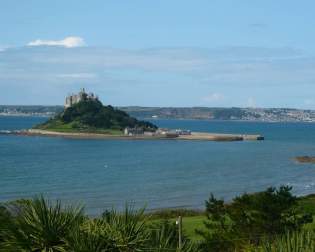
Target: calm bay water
{"type": "Point", "coordinates": [105, 173]}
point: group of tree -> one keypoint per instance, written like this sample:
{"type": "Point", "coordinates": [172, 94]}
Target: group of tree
{"type": "Point", "coordinates": [266, 221]}
{"type": "Point", "coordinates": [249, 220]}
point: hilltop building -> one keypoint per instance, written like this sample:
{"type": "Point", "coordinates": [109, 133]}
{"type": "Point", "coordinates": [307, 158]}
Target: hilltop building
{"type": "Point", "coordinates": [75, 98]}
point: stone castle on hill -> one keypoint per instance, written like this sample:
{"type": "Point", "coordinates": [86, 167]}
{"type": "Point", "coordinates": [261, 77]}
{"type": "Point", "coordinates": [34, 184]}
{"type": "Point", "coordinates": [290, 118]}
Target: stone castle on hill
{"type": "Point", "coordinates": [75, 98]}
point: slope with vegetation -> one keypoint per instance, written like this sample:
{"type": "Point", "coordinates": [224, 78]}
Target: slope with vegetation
{"type": "Point", "coordinates": [91, 116]}
{"type": "Point", "coordinates": [270, 221]}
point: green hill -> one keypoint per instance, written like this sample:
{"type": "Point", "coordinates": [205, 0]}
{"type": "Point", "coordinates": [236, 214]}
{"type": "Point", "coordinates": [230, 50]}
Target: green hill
{"type": "Point", "coordinates": [91, 116]}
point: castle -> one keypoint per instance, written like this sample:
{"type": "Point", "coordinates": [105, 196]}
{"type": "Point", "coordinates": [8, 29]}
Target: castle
{"type": "Point", "coordinates": [75, 98]}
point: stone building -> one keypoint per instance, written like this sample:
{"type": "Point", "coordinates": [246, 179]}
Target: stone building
{"type": "Point", "coordinates": [75, 98]}
{"type": "Point", "coordinates": [133, 131]}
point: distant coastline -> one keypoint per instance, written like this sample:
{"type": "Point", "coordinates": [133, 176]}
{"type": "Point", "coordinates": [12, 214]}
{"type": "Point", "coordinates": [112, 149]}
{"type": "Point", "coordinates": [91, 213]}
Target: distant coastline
{"type": "Point", "coordinates": [192, 113]}
{"type": "Point", "coordinates": [26, 115]}
{"type": "Point", "coordinates": [169, 118]}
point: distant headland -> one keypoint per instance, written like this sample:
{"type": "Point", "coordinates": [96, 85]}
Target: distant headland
{"type": "Point", "coordinates": [189, 113]}
{"type": "Point", "coordinates": [84, 116]}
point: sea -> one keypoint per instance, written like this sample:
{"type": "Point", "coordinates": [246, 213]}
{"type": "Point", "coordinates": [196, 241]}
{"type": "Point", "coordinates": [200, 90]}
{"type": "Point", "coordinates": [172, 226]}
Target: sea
{"type": "Point", "coordinates": [101, 174]}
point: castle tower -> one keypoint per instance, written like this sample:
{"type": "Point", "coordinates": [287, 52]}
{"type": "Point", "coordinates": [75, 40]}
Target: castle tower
{"type": "Point", "coordinates": [75, 98]}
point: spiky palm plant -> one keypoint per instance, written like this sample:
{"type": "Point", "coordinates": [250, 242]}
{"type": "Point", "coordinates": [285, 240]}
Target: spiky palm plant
{"type": "Point", "coordinates": [127, 231]}
{"type": "Point", "coordinates": [164, 237]}
{"type": "Point", "coordinates": [6, 221]}
{"type": "Point", "coordinates": [303, 241]}
{"type": "Point", "coordinates": [41, 226]}
{"type": "Point", "coordinates": [90, 236]}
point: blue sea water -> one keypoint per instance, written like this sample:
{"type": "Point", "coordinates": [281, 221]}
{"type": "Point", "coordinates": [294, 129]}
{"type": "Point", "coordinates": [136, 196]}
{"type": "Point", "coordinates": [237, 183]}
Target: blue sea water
{"type": "Point", "coordinates": [166, 173]}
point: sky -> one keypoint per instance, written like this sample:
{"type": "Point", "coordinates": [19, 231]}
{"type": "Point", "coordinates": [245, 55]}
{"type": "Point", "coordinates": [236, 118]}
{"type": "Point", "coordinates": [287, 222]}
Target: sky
{"type": "Point", "coordinates": [180, 53]}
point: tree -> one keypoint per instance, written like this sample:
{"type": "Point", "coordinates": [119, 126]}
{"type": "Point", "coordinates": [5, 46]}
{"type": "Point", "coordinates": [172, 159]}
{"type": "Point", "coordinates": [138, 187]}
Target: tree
{"type": "Point", "coordinates": [250, 217]}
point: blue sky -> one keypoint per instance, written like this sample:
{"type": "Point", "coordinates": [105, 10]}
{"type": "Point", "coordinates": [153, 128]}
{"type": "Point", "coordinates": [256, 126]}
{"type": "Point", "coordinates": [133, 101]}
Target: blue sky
{"type": "Point", "coordinates": [223, 53]}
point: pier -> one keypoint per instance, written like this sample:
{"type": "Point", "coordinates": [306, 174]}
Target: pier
{"type": "Point", "coordinates": [194, 136]}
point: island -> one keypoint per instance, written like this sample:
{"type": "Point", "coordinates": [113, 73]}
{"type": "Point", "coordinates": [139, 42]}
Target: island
{"type": "Point", "coordinates": [84, 116]}
{"type": "Point", "coordinates": [85, 113]}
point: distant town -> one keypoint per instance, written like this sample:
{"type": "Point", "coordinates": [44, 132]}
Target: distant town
{"type": "Point", "coordinates": [203, 113]}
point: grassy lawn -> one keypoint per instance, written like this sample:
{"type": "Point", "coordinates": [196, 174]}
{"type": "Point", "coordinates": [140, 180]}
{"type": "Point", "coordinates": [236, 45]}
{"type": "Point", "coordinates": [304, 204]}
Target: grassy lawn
{"type": "Point", "coordinates": [307, 203]}
{"type": "Point", "coordinates": [195, 221]}
{"type": "Point", "coordinates": [192, 223]}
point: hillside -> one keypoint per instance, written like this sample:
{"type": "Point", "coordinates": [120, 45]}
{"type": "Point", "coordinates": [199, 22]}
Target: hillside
{"type": "Point", "coordinates": [243, 114]}
{"type": "Point", "coordinates": [203, 113]}
{"type": "Point", "coordinates": [91, 116]}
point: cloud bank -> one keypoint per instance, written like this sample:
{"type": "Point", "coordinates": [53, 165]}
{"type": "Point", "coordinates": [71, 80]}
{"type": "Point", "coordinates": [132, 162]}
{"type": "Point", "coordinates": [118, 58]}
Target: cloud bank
{"type": "Point", "coordinates": [68, 42]}
{"type": "Point", "coordinates": [213, 97]}
{"type": "Point", "coordinates": [273, 77]}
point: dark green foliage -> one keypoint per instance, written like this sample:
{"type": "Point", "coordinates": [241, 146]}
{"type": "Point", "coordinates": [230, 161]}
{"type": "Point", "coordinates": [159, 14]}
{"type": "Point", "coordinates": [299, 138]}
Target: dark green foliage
{"type": "Point", "coordinates": [91, 114]}
{"type": "Point", "coordinates": [127, 230]}
{"type": "Point", "coordinates": [38, 225]}
{"type": "Point", "coordinates": [218, 234]}
{"type": "Point", "coordinates": [271, 220]}
{"type": "Point", "coordinates": [41, 226]}
{"type": "Point", "coordinates": [6, 221]}
{"type": "Point", "coordinates": [249, 217]}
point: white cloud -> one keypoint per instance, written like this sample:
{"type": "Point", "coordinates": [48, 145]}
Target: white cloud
{"type": "Point", "coordinates": [3, 48]}
{"type": "Point", "coordinates": [78, 76]}
{"type": "Point", "coordinates": [309, 102]}
{"type": "Point", "coordinates": [66, 42]}
{"type": "Point", "coordinates": [214, 97]}
{"type": "Point", "coordinates": [251, 102]}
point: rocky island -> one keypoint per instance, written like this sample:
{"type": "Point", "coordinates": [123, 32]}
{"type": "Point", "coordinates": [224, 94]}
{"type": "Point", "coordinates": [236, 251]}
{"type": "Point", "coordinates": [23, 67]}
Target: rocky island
{"type": "Point", "coordinates": [85, 113]}
{"type": "Point", "coordinates": [84, 116]}
{"type": "Point", "coordinates": [305, 159]}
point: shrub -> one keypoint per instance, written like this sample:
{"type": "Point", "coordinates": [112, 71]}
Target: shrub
{"type": "Point", "coordinates": [40, 225]}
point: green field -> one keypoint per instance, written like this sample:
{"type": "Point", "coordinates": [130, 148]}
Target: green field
{"type": "Point", "coordinates": [195, 221]}
{"type": "Point", "coordinates": [190, 224]}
